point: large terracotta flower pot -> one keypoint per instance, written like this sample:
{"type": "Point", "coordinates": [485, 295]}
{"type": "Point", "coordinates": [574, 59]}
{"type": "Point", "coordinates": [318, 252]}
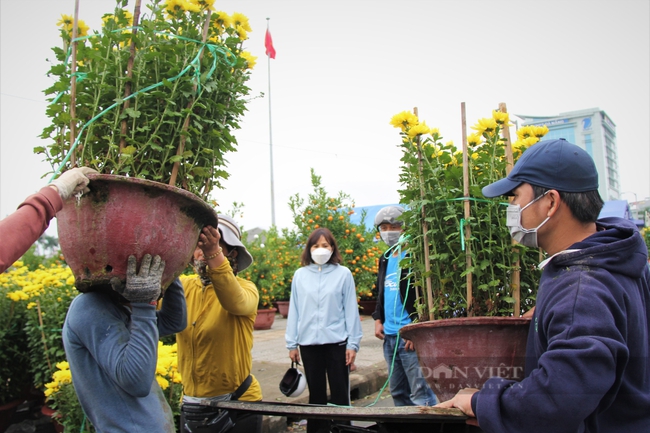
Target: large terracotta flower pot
{"type": "Point", "coordinates": [283, 308]}
{"type": "Point", "coordinates": [121, 216]}
{"type": "Point", "coordinates": [465, 352]}
{"type": "Point", "coordinates": [264, 319]}
{"type": "Point", "coordinates": [367, 307]}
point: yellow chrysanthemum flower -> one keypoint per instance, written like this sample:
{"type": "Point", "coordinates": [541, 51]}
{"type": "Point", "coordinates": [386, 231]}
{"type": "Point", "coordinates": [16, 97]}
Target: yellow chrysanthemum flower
{"type": "Point", "coordinates": [404, 120]}
{"type": "Point", "coordinates": [485, 126]}
{"type": "Point", "coordinates": [204, 4]}
{"type": "Point", "coordinates": [525, 132]}
{"type": "Point", "coordinates": [240, 19]}
{"type": "Point", "coordinates": [419, 129]}
{"type": "Point", "coordinates": [65, 21]}
{"type": "Point", "coordinates": [251, 60]}
{"type": "Point", "coordinates": [62, 376]}
{"type": "Point", "coordinates": [241, 32]}
{"type": "Point", "coordinates": [222, 19]}
{"type": "Point", "coordinates": [474, 139]}
{"type": "Point", "coordinates": [540, 131]}
{"type": "Point", "coordinates": [500, 117]}
{"type": "Point", "coordinates": [474, 156]}
{"type": "Point", "coordinates": [164, 383]}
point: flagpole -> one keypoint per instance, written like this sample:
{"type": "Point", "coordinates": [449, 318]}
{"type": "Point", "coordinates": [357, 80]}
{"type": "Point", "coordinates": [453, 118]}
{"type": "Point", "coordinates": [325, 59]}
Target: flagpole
{"type": "Point", "coordinates": [268, 60]}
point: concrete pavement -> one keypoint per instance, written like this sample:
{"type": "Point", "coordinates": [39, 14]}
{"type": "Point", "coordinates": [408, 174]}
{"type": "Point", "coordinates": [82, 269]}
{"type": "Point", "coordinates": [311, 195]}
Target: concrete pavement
{"type": "Point", "coordinates": [271, 361]}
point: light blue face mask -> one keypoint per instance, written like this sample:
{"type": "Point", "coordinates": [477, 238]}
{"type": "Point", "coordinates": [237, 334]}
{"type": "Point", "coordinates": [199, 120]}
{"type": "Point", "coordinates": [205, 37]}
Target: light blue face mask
{"type": "Point", "coordinates": [526, 237]}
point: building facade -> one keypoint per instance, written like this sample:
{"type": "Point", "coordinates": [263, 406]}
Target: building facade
{"type": "Point", "coordinates": [593, 131]}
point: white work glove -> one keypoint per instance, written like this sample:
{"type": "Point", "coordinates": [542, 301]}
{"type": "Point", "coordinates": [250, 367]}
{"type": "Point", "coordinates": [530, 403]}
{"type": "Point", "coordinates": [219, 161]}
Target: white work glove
{"type": "Point", "coordinates": [73, 181]}
{"type": "Point", "coordinates": [143, 287]}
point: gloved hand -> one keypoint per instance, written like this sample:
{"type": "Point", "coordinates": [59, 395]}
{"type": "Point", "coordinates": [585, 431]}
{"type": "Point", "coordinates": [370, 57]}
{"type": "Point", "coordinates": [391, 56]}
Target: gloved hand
{"type": "Point", "coordinates": [73, 181]}
{"type": "Point", "coordinates": [143, 287]}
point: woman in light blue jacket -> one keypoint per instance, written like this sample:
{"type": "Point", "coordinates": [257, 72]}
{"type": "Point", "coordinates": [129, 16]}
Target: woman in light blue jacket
{"type": "Point", "coordinates": [323, 322]}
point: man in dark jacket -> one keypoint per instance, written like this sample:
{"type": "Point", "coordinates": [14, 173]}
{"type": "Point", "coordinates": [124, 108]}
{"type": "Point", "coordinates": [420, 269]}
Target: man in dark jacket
{"type": "Point", "coordinates": [396, 308]}
{"type": "Point", "coordinates": [588, 353]}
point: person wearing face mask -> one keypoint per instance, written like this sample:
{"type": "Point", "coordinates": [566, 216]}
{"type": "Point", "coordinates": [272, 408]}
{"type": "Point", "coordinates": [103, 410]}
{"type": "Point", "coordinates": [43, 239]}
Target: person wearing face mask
{"type": "Point", "coordinates": [214, 351]}
{"type": "Point", "coordinates": [588, 353]}
{"type": "Point", "coordinates": [323, 325]}
{"type": "Point", "coordinates": [396, 308]}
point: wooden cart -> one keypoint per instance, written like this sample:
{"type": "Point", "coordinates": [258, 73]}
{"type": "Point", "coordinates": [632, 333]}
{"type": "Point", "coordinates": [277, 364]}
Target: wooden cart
{"type": "Point", "coordinates": [403, 419]}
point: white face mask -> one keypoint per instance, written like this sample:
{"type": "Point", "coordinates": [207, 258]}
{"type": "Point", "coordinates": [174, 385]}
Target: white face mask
{"type": "Point", "coordinates": [320, 256]}
{"type": "Point", "coordinates": [390, 237]}
{"type": "Point", "coordinates": [526, 237]}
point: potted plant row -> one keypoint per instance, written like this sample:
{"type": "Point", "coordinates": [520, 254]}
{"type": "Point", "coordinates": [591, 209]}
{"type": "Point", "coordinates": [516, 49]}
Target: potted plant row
{"type": "Point", "coordinates": [473, 284]}
{"type": "Point", "coordinates": [150, 100]}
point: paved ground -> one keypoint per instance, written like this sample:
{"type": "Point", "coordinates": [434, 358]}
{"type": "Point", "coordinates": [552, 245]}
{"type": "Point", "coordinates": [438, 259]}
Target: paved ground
{"type": "Point", "coordinates": [271, 361]}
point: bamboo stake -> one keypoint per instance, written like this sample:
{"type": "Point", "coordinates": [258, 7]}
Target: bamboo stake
{"type": "Point", "coordinates": [468, 230]}
{"type": "Point", "coordinates": [425, 229]}
{"type": "Point", "coordinates": [40, 322]}
{"type": "Point", "coordinates": [73, 80]}
{"type": "Point", "coordinates": [515, 284]}
{"type": "Point", "coordinates": [129, 75]}
{"type": "Point", "coordinates": [186, 123]}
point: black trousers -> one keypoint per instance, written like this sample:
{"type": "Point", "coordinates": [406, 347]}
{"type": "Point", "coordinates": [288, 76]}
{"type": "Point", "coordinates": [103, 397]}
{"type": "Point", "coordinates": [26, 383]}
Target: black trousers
{"type": "Point", "coordinates": [326, 363]}
{"type": "Point", "coordinates": [245, 422]}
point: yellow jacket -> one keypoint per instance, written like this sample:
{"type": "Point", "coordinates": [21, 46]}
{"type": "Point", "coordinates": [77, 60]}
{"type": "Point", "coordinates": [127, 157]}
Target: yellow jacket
{"type": "Point", "coordinates": [214, 351]}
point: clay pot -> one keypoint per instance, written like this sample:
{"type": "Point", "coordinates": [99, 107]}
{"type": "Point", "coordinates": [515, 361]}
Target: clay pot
{"type": "Point", "coordinates": [466, 352]}
{"type": "Point", "coordinates": [121, 216]}
{"type": "Point", "coordinates": [264, 319]}
{"type": "Point", "coordinates": [49, 412]}
{"type": "Point", "coordinates": [283, 308]}
{"type": "Point", "coordinates": [367, 307]}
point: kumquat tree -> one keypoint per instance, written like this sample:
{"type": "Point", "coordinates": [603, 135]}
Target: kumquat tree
{"type": "Point", "coordinates": [432, 185]}
{"type": "Point", "coordinates": [358, 246]}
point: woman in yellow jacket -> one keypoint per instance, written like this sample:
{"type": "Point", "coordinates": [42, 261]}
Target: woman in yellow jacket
{"type": "Point", "coordinates": [214, 351]}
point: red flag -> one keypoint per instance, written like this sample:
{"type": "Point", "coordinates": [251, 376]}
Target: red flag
{"type": "Point", "coordinates": [268, 43]}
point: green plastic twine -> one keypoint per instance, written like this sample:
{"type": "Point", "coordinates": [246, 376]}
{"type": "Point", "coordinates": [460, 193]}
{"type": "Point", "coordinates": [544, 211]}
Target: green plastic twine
{"type": "Point", "coordinates": [228, 57]}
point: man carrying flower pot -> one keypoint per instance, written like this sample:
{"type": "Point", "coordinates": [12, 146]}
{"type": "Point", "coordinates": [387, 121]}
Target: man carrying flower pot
{"type": "Point", "coordinates": [111, 343]}
{"type": "Point", "coordinates": [395, 308]}
{"type": "Point", "coordinates": [22, 228]}
{"type": "Point", "coordinates": [588, 353]}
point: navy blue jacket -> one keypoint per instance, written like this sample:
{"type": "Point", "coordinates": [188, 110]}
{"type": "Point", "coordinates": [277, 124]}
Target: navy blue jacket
{"type": "Point", "coordinates": [588, 354]}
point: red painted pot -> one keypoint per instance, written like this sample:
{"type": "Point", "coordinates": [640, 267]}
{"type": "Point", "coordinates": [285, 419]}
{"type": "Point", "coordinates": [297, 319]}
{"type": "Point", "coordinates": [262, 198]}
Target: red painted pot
{"type": "Point", "coordinates": [49, 412]}
{"type": "Point", "coordinates": [466, 352]}
{"type": "Point", "coordinates": [264, 319]}
{"type": "Point", "coordinates": [121, 216]}
{"type": "Point", "coordinates": [283, 308]}
{"type": "Point", "coordinates": [366, 308]}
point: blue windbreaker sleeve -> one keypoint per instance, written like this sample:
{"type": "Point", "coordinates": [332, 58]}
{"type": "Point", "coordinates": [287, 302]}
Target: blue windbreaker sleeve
{"type": "Point", "coordinates": [352, 320]}
{"type": "Point", "coordinates": [172, 316]}
{"type": "Point", "coordinates": [291, 332]}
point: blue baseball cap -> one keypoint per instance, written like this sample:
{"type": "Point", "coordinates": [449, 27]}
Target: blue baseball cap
{"type": "Point", "coordinates": [552, 164]}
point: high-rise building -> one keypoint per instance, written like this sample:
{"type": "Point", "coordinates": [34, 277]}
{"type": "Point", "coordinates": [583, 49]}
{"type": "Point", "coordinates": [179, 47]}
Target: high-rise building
{"type": "Point", "coordinates": [593, 131]}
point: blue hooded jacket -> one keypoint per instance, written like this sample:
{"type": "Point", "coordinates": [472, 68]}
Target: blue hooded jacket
{"type": "Point", "coordinates": [588, 353]}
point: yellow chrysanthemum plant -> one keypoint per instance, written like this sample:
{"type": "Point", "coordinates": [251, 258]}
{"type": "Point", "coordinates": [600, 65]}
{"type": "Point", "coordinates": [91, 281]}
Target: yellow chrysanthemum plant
{"type": "Point", "coordinates": [157, 93]}
{"type": "Point", "coordinates": [432, 179]}
{"type": "Point", "coordinates": [33, 305]}
{"type": "Point", "coordinates": [60, 395]}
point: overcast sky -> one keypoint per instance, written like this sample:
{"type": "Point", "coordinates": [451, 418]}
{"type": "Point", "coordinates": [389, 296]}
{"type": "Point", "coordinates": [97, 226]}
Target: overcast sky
{"type": "Point", "coordinates": [344, 68]}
